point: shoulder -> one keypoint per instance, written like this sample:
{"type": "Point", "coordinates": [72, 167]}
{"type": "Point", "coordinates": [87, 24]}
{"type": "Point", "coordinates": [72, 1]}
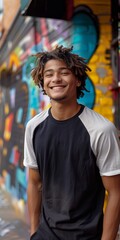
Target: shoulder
{"type": "Point", "coordinates": [95, 121]}
{"type": "Point", "coordinates": [36, 120]}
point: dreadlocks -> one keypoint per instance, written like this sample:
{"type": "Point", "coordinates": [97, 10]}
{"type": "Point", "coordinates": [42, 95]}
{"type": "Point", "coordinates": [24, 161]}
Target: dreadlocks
{"type": "Point", "coordinates": [73, 61]}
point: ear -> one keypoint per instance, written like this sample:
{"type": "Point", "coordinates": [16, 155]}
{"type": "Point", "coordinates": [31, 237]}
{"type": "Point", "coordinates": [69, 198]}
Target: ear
{"type": "Point", "coordinates": [78, 83]}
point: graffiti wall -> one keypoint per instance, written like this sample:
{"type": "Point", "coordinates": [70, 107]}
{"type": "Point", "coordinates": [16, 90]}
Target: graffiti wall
{"type": "Point", "coordinates": [89, 32]}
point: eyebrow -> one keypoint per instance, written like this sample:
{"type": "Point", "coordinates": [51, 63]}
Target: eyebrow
{"type": "Point", "coordinates": [50, 70]}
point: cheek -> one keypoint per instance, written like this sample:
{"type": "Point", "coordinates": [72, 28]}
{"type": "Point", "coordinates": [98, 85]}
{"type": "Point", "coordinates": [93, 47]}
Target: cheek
{"type": "Point", "coordinates": [75, 84]}
{"type": "Point", "coordinates": [44, 85]}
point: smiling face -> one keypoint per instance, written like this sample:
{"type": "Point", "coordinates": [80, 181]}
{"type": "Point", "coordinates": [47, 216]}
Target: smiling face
{"type": "Point", "coordinates": [59, 82]}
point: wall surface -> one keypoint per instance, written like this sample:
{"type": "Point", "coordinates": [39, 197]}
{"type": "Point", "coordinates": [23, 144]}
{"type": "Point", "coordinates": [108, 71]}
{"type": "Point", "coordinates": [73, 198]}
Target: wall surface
{"type": "Point", "coordinates": [89, 32]}
{"type": "Point", "coordinates": [10, 10]}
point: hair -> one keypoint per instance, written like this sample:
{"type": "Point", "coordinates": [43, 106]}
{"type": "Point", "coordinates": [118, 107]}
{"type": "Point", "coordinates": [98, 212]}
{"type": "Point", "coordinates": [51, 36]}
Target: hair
{"type": "Point", "coordinates": [73, 61]}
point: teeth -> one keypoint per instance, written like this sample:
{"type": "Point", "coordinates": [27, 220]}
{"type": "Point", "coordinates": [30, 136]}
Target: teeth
{"type": "Point", "coordinates": [57, 87]}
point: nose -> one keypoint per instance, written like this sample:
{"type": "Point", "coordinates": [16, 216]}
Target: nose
{"type": "Point", "coordinates": [56, 77]}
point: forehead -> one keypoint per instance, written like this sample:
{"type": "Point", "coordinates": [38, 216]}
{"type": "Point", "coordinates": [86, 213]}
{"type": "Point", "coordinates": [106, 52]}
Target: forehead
{"type": "Point", "coordinates": [54, 64]}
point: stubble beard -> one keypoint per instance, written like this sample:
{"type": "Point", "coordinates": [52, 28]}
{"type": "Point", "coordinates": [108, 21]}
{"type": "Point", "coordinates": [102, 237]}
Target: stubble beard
{"type": "Point", "coordinates": [59, 99]}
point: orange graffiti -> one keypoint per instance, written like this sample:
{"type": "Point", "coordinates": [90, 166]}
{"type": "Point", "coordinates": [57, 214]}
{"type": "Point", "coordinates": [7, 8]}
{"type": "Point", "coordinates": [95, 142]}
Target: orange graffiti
{"type": "Point", "coordinates": [8, 127]}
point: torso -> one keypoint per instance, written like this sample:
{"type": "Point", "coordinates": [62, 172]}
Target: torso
{"type": "Point", "coordinates": [72, 187]}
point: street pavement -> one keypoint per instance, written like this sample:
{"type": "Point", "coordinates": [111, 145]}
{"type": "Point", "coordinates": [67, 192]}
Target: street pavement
{"type": "Point", "coordinates": [12, 225]}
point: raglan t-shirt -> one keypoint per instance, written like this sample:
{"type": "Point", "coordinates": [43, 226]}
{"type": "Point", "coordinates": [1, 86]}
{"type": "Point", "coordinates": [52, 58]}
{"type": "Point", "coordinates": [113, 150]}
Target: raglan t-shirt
{"type": "Point", "coordinates": [71, 157]}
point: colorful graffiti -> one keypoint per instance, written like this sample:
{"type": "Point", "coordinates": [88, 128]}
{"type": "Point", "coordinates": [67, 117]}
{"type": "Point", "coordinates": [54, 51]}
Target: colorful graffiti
{"type": "Point", "coordinates": [85, 26]}
{"type": "Point", "coordinates": [20, 99]}
{"type": "Point", "coordinates": [11, 132]}
{"type": "Point", "coordinates": [100, 62]}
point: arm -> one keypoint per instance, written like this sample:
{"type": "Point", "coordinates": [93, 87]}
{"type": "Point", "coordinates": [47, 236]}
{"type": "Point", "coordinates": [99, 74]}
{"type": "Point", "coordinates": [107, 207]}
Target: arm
{"type": "Point", "coordinates": [34, 193]}
{"type": "Point", "coordinates": [112, 213]}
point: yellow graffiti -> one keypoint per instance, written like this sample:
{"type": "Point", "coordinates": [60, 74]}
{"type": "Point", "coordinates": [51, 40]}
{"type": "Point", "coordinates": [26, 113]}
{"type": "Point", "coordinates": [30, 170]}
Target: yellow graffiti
{"type": "Point", "coordinates": [100, 62]}
{"type": "Point", "coordinates": [6, 108]}
{"type": "Point", "coordinates": [4, 151]}
{"type": "Point", "coordinates": [14, 62]}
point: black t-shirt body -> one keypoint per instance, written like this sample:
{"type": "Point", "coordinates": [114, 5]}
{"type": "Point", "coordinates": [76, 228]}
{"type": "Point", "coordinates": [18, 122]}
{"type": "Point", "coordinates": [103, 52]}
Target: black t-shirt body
{"type": "Point", "coordinates": [72, 193]}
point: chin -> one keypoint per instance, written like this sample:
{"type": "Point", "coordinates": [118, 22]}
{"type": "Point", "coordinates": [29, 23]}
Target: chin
{"type": "Point", "coordinates": [58, 98]}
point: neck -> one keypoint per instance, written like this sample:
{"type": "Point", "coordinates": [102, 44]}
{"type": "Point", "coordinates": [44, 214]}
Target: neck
{"type": "Point", "coordinates": [62, 112]}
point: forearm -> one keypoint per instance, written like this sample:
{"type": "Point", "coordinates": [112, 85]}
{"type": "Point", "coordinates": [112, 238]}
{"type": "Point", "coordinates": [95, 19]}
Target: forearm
{"type": "Point", "coordinates": [34, 206]}
{"type": "Point", "coordinates": [111, 219]}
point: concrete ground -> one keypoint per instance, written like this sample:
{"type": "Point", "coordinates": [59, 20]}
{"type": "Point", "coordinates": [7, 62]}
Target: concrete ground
{"type": "Point", "coordinates": [12, 226]}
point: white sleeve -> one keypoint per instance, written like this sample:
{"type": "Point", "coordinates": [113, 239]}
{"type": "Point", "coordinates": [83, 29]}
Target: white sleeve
{"type": "Point", "coordinates": [108, 151]}
{"type": "Point", "coordinates": [29, 155]}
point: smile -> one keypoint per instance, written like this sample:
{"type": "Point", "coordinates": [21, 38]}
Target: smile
{"type": "Point", "coordinates": [57, 87]}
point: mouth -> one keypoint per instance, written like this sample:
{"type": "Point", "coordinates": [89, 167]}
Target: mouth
{"type": "Point", "coordinates": [57, 87]}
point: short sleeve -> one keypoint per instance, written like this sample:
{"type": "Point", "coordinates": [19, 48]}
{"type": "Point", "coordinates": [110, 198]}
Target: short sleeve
{"type": "Point", "coordinates": [108, 151]}
{"type": "Point", "coordinates": [29, 155]}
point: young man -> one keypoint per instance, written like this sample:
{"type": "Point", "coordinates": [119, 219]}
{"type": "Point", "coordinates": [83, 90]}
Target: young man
{"type": "Point", "coordinates": [73, 156]}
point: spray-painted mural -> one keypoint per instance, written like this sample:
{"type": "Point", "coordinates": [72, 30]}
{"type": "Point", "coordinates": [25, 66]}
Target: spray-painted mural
{"type": "Point", "coordinates": [20, 99]}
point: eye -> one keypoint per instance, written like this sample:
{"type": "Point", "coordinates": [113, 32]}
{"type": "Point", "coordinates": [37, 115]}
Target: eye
{"type": "Point", "coordinates": [65, 73]}
{"type": "Point", "coordinates": [48, 75]}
